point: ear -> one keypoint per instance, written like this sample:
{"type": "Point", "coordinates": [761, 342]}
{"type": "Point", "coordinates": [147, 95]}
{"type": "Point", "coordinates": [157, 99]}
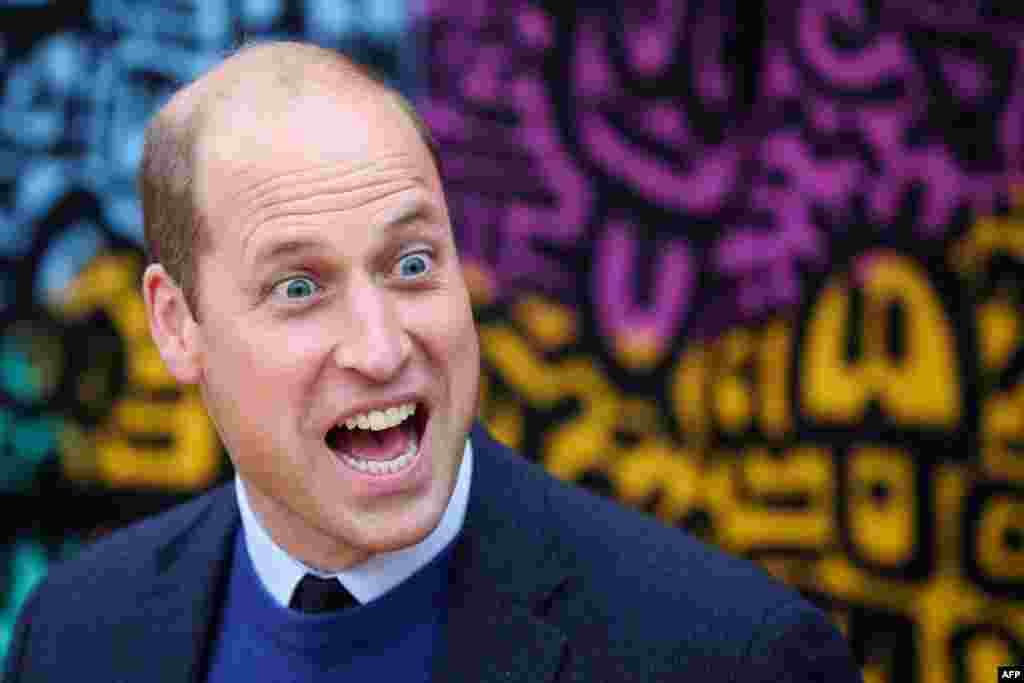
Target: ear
{"type": "Point", "coordinates": [172, 325]}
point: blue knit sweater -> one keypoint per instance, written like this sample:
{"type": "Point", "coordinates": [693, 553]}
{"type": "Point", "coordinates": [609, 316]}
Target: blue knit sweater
{"type": "Point", "coordinates": [392, 638]}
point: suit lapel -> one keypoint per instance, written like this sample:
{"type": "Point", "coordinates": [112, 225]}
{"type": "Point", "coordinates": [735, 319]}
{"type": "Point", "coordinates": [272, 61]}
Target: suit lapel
{"type": "Point", "coordinates": [168, 634]}
{"type": "Point", "coordinates": [505, 567]}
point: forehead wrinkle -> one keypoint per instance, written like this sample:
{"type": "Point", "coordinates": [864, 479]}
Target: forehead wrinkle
{"type": "Point", "coordinates": [273, 219]}
{"type": "Point", "coordinates": [260, 203]}
{"type": "Point", "coordinates": [300, 195]}
{"type": "Point", "coordinates": [253, 193]}
{"type": "Point", "coordinates": [327, 171]}
{"type": "Point", "coordinates": [297, 208]}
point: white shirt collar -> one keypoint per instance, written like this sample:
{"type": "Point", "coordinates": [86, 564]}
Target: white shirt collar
{"type": "Point", "coordinates": [280, 572]}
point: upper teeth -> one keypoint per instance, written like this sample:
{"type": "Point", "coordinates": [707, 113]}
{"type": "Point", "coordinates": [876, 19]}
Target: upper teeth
{"type": "Point", "coordinates": [381, 419]}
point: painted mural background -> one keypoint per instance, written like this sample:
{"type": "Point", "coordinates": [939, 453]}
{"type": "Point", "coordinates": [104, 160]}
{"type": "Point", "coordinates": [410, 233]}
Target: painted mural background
{"type": "Point", "coordinates": [757, 268]}
{"type": "Point", "coordinates": [753, 267]}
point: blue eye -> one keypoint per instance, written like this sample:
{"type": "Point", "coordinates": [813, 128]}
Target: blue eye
{"type": "Point", "coordinates": [295, 288]}
{"type": "Point", "coordinates": [413, 265]}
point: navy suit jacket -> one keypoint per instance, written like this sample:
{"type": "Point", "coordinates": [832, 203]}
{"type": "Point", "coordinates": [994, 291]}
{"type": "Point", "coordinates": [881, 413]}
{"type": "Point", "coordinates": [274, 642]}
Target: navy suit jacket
{"type": "Point", "coordinates": [548, 583]}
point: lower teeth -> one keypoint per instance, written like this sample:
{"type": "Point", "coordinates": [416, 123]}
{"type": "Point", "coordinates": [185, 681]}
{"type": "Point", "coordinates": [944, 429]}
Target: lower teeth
{"type": "Point", "coordinates": [384, 466]}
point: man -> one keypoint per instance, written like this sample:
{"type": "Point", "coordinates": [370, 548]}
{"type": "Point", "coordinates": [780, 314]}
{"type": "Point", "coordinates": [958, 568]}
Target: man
{"type": "Point", "coordinates": [306, 278]}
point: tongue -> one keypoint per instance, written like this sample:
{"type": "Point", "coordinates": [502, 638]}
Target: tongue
{"type": "Point", "coordinates": [367, 444]}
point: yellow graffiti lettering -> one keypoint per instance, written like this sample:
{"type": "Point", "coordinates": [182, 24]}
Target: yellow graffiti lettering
{"type": "Point", "coordinates": [126, 457]}
{"type": "Point", "coordinates": [989, 236]}
{"type": "Point", "coordinates": [760, 518]}
{"type": "Point", "coordinates": [881, 504]}
{"type": "Point", "coordinates": [1002, 461]}
{"type": "Point", "coordinates": [985, 653]}
{"type": "Point", "coordinates": [655, 467]}
{"type": "Point", "coordinates": [941, 607]}
{"type": "Point", "coordinates": [582, 443]}
{"type": "Point", "coordinates": [587, 441]}
{"type": "Point", "coordinates": [504, 421]}
{"type": "Point", "coordinates": [920, 388]}
{"type": "Point", "coordinates": [749, 385]}
{"type": "Point", "coordinates": [1001, 517]}
{"type": "Point", "coordinates": [519, 366]}
{"type": "Point", "coordinates": [718, 495]}
{"type": "Point", "coordinates": [502, 416]}
{"type": "Point", "coordinates": [804, 472]}
{"type": "Point", "coordinates": [881, 338]}
{"type": "Point", "coordinates": [126, 450]}
{"type": "Point", "coordinates": [688, 391]}
{"type": "Point", "coordinates": [1000, 333]}
{"type": "Point", "coordinates": [732, 395]}
{"type": "Point", "coordinates": [773, 379]}
{"type": "Point", "coordinates": [1002, 430]}
{"type": "Point", "coordinates": [111, 284]}
{"type": "Point", "coordinates": [551, 325]}
{"type": "Point", "coordinates": [1000, 330]}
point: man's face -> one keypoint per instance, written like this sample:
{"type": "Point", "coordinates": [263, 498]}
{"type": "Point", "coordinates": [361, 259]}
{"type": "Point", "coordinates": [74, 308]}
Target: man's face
{"type": "Point", "coordinates": [330, 293]}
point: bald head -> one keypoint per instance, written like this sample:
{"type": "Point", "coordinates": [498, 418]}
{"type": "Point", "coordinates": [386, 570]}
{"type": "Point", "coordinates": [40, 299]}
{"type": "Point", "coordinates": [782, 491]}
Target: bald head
{"type": "Point", "coordinates": [255, 85]}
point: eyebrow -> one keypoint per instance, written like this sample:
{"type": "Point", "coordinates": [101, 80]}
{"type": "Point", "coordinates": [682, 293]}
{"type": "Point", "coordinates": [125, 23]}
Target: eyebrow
{"type": "Point", "coordinates": [408, 212]}
{"type": "Point", "coordinates": [406, 215]}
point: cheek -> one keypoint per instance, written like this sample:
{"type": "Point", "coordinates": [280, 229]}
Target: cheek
{"type": "Point", "coordinates": [258, 362]}
{"type": "Point", "coordinates": [449, 335]}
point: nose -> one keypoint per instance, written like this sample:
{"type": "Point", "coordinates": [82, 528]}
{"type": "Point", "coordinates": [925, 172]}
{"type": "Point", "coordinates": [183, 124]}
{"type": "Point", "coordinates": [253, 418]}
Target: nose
{"type": "Point", "coordinates": [374, 342]}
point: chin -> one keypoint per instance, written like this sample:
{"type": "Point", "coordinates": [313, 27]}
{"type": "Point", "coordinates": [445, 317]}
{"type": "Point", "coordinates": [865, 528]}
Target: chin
{"type": "Point", "coordinates": [402, 527]}
{"type": "Point", "coordinates": [401, 538]}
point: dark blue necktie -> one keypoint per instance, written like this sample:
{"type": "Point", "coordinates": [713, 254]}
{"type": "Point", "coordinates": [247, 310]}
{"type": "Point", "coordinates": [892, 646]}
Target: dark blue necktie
{"type": "Point", "coordinates": [315, 595]}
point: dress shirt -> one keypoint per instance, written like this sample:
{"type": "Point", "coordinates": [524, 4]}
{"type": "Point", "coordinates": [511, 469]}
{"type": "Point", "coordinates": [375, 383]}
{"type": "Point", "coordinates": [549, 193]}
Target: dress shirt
{"type": "Point", "coordinates": [280, 573]}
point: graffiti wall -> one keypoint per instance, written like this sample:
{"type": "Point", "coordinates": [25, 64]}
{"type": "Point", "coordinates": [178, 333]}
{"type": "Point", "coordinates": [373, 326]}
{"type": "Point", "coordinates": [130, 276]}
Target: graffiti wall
{"type": "Point", "coordinates": [93, 430]}
{"type": "Point", "coordinates": [758, 269]}
{"type": "Point", "coordinates": [753, 267]}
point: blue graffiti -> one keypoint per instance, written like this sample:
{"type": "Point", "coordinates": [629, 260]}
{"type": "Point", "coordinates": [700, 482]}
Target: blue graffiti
{"type": "Point", "coordinates": [25, 444]}
{"type": "Point", "coordinates": [64, 259]}
{"type": "Point", "coordinates": [27, 562]}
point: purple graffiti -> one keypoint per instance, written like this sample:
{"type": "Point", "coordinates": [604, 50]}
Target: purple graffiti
{"type": "Point", "coordinates": [1011, 125]}
{"type": "Point", "coordinates": [764, 259]}
{"type": "Point", "coordinates": [905, 95]}
{"type": "Point", "coordinates": [671, 167]}
{"type": "Point", "coordinates": [651, 35]}
{"type": "Point", "coordinates": [944, 185]}
{"type": "Point", "coordinates": [810, 179]}
{"type": "Point", "coordinates": [515, 192]}
{"type": "Point", "coordinates": [967, 78]}
{"type": "Point", "coordinates": [763, 264]}
{"type": "Point", "coordinates": [781, 79]}
{"type": "Point", "coordinates": [880, 57]}
{"type": "Point", "coordinates": [857, 114]}
{"type": "Point", "coordinates": [621, 316]}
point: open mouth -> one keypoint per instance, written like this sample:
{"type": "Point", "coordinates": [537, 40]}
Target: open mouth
{"type": "Point", "coordinates": [380, 442]}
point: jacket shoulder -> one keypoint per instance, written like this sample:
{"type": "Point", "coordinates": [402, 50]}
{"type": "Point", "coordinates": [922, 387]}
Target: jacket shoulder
{"type": "Point", "coordinates": [640, 596]}
{"type": "Point", "coordinates": [647, 560]}
{"type": "Point", "coordinates": [133, 551]}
